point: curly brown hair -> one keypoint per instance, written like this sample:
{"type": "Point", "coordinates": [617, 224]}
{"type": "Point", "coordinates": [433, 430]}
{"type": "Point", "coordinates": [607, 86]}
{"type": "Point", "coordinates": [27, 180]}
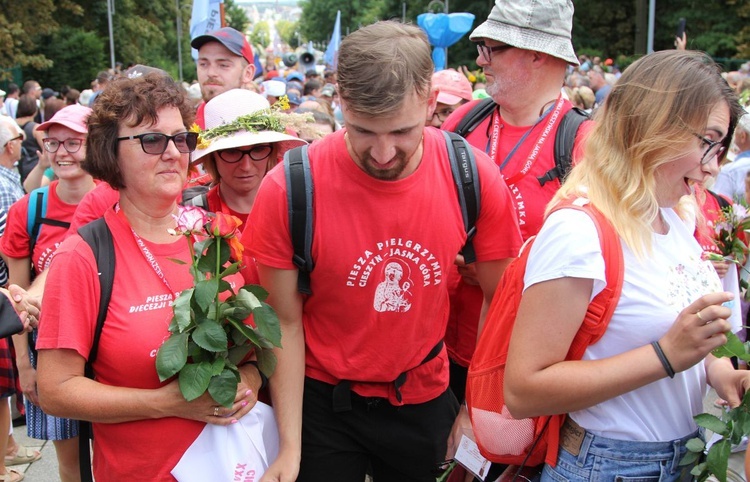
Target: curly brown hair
{"type": "Point", "coordinates": [132, 102]}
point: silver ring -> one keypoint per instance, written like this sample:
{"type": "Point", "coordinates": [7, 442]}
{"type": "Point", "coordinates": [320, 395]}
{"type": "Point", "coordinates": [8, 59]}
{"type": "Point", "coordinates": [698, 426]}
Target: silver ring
{"type": "Point", "coordinates": [216, 411]}
{"type": "Point", "coordinates": [700, 317]}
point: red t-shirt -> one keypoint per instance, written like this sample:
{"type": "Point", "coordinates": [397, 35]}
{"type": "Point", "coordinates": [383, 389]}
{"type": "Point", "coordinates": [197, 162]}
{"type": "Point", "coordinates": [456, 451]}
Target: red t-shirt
{"type": "Point", "coordinates": [200, 115]}
{"type": "Point", "coordinates": [93, 206]}
{"type": "Point", "coordinates": [16, 240]}
{"type": "Point", "coordinates": [217, 205]}
{"type": "Point", "coordinates": [136, 325]}
{"type": "Point", "coordinates": [382, 250]}
{"type": "Point", "coordinates": [531, 199]}
{"type": "Point", "coordinates": [711, 211]}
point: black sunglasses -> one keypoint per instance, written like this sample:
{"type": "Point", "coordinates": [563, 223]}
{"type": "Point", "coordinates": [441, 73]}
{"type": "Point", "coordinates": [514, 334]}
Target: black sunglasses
{"type": "Point", "coordinates": [258, 152]}
{"type": "Point", "coordinates": [156, 143]}
{"type": "Point", "coordinates": [485, 51]}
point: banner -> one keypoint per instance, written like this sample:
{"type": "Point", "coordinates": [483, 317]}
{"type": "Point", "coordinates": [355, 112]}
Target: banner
{"type": "Point", "coordinates": [206, 17]}
{"type": "Point", "coordinates": [331, 56]}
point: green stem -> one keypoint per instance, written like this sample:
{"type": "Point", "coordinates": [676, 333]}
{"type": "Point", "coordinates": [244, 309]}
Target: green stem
{"type": "Point", "coordinates": [191, 240]}
{"type": "Point", "coordinates": [217, 274]}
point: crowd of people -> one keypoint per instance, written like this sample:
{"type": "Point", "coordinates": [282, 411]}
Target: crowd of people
{"type": "Point", "coordinates": [377, 343]}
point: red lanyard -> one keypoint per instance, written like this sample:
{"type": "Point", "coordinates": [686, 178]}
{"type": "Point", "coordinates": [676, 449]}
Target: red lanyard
{"type": "Point", "coordinates": [148, 255]}
{"type": "Point", "coordinates": [543, 135]}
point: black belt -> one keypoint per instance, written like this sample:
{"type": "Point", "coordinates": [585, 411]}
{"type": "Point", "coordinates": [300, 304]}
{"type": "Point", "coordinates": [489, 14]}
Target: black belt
{"type": "Point", "coordinates": [342, 392]}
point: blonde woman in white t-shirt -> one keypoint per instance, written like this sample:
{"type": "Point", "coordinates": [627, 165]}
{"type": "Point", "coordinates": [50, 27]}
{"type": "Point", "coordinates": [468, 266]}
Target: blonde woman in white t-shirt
{"type": "Point", "coordinates": [666, 121]}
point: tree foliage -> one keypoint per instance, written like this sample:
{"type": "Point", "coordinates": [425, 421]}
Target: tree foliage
{"type": "Point", "coordinates": [288, 32]}
{"type": "Point", "coordinates": [235, 16]}
{"type": "Point", "coordinates": [78, 55]}
{"type": "Point", "coordinates": [261, 34]}
{"type": "Point", "coordinates": [145, 31]}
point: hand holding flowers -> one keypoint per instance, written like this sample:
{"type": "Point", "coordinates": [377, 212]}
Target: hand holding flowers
{"type": "Point", "coordinates": [209, 337]}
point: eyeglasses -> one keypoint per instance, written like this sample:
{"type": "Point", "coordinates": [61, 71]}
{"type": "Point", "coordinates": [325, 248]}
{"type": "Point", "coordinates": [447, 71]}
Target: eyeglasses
{"type": "Point", "coordinates": [258, 152]}
{"type": "Point", "coordinates": [19, 137]}
{"type": "Point", "coordinates": [485, 51]}
{"type": "Point", "coordinates": [715, 149]}
{"type": "Point", "coordinates": [156, 143]}
{"type": "Point", "coordinates": [71, 145]}
{"type": "Point", "coordinates": [441, 116]}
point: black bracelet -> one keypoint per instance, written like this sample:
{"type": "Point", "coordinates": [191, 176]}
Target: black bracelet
{"type": "Point", "coordinates": [663, 359]}
{"type": "Point", "coordinates": [263, 377]}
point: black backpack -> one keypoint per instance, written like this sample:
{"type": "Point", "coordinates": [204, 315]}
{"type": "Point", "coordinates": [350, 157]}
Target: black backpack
{"type": "Point", "coordinates": [564, 140]}
{"type": "Point", "coordinates": [300, 192]}
{"type": "Point", "coordinates": [99, 237]}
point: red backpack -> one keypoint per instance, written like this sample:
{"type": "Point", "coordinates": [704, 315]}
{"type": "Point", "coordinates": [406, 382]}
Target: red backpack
{"type": "Point", "coordinates": [531, 441]}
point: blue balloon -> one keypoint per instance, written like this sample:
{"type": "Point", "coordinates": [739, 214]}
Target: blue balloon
{"type": "Point", "coordinates": [445, 29]}
{"type": "Point", "coordinates": [438, 58]}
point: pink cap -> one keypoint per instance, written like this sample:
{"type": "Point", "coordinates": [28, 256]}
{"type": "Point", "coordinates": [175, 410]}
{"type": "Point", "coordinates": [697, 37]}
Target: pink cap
{"type": "Point", "coordinates": [73, 117]}
{"type": "Point", "coordinates": [452, 86]}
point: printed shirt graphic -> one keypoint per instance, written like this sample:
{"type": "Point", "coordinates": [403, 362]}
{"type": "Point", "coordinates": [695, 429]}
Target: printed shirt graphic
{"type": "Point", "coordinates": [392, 294]}
{"type": "Point", "coordinates": [16, 241]}
{"type": "Point", "coordinates": [136, 326]}
{"type": "Point", "coordinates": [382, 250]}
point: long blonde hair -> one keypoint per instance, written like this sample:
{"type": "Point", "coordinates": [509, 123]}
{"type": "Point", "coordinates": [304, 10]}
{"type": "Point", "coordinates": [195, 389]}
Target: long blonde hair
{"type": "Point", "coordinates": [650, 116]}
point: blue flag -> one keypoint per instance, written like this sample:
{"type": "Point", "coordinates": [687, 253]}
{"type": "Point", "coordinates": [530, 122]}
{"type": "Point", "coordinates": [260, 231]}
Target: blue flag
{"type": "Point", "coordinates": [206, 17]}
{"type": "Point", "coordinates": [331, 56]}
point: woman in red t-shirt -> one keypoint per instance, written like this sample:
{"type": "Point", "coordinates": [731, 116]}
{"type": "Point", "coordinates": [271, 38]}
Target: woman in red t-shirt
{"type": "Point", "coordinates": [238, 147]}
{"type": "Point", "coordinates": [138, 143]}
{"type": "Point", "coordinates": [32, 246]}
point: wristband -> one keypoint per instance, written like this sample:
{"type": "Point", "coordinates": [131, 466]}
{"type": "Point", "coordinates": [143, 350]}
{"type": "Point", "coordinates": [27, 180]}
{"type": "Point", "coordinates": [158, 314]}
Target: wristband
{"type": "Point", "coordinates": [663, 359]}
{"type": "Point", "coordinates": [263, 377]}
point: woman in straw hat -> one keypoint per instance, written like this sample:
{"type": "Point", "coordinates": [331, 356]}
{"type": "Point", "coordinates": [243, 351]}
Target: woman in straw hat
{"type": "Point", "coordinates": [243, 140]}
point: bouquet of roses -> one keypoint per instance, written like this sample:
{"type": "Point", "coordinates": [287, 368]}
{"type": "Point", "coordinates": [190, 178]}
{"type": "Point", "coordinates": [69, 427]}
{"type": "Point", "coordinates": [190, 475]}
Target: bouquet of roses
{"type": "Point", "coordinates": [729, 231]}
{"type": "Point", "coordinates": [208, 335]}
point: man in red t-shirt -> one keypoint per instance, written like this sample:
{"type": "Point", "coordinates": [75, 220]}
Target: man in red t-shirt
{"type": "Point", "coordinates": [387, 227]}
{"type": "Point", "coordinates": [524, 49]}
{"type": "Point", "coordinates": [225, 61]}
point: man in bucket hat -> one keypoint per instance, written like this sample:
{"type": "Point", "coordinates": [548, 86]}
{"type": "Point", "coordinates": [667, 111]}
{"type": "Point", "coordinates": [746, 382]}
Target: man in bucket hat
{"type": "Point", "coordinates": [524, 48]}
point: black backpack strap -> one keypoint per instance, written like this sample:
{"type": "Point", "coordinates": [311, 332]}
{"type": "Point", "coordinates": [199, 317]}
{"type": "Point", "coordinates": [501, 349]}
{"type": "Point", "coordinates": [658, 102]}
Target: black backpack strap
{"type": "Point", "coordinates": [38, 202]}
{"type": "Point", "coordinates": [464, 168]}
{"type": "Point", "coordinates": [99, 237]}
{"type": "Point", "coordinates": [299, 189]}
{"type": "Point", "coordinates": [723, 203]}
{"type": "Point", "coordinates": [565, 140]}
{"type": "Point", "coordinates": [475, 116]}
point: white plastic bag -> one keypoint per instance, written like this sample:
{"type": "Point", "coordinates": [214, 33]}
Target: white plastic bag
{"type": "Point", "coordinates": [239, 451]}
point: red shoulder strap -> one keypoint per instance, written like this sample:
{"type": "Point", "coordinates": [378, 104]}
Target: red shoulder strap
{"type": "Point", "coordinates": [601, 307]}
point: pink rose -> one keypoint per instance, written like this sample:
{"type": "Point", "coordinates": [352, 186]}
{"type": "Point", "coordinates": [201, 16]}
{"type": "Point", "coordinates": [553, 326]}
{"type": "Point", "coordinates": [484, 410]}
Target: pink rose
{"type": "Point", "coordinates": [190, 219]}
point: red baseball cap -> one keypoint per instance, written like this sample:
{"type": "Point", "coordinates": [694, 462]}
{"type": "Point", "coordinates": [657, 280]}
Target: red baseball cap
{"type": "Point", "coordinates": [229, 38]}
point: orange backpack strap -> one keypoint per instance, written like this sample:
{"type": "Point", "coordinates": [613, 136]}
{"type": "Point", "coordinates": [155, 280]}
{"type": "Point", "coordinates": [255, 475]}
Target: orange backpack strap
{"type": "Point", "coordinates": [600, 309]}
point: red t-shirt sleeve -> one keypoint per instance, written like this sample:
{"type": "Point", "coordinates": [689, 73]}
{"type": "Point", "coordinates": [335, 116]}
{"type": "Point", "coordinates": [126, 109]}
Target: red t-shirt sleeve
{"type": "Point", "coordinates": [15, 242]}
{"type": "Point", "coordinates": [93, 206]}
{"type": "Point", "coordinates": [266, 236]}
{"type": "Point", "coordinates": [71, 299]}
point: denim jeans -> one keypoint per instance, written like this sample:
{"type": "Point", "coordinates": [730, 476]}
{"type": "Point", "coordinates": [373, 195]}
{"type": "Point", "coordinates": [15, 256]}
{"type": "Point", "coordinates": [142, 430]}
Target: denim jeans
{"type": "Point", "coordinates": [604, 459]}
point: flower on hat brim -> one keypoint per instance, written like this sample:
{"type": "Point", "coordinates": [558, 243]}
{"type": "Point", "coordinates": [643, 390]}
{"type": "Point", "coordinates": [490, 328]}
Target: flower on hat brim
{"type": "Point", "coordinates": [270, 119]}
